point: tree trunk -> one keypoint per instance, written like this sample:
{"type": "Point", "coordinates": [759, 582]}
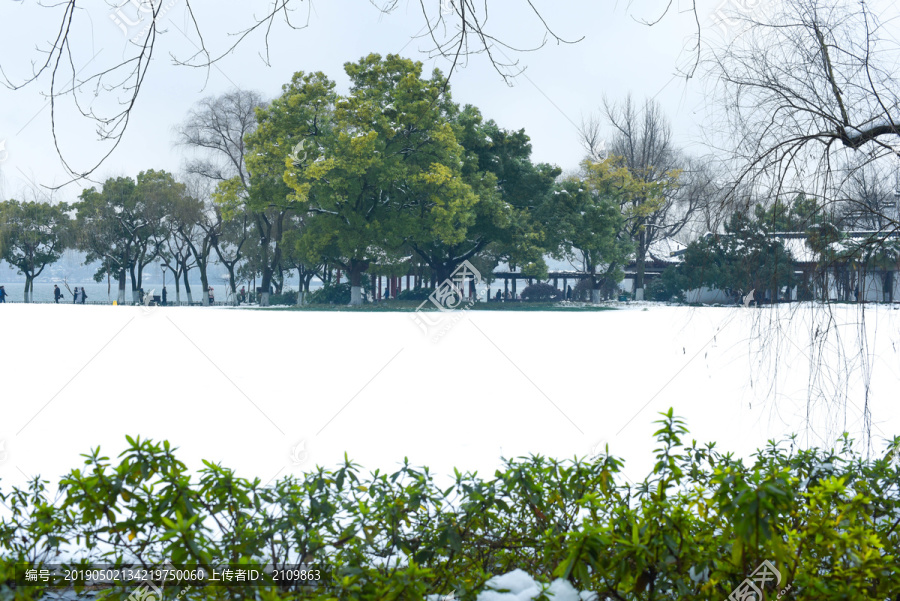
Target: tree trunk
{"type": "Point", "coordinates": [265, 237]}
{"type": "Point", "coordinates": [300, 287]}
{"type": "Point", "coordinates": [355, 276]}
{"type": "Point", "coordinates": [140, 276]}
{"type": "Point", "coordinates": [233, 283]}
{"type": "Point", "coordinates": [134, 287]}
{"type": "Point", "coordinates": [265, 284]}
{"type": "Point", "coordinates": [29, 288]}
{"type": "Point", "coordinates": [595, 286]}
{"type": "Point", "coordinates": [641, 258]}
{"type": "Point", "coordinates": [277, 252]}
{"type": "Point", "coordinates": [355, 295]}
{"type": "Point", "coordinates": [441, 273]}
{"type": "Point", "coordinates": [187, 287]}
{"type": "Point", "coordinates": [121, 281]}
{"type": "Point", "coordinates": [204, 283]}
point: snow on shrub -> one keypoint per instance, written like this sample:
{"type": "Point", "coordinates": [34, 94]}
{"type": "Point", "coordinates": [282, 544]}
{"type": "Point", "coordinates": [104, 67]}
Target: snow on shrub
{"type": "Point", "coordinates": [519, 586]}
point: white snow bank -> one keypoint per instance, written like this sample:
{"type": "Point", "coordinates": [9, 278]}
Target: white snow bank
{"type": "Point", "coordinates": [244, 388]}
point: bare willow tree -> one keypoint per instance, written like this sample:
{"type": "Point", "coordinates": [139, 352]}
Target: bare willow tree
{"type": "Point", "coordinates": [868, 197]}
{"type": "Point", "coordinates": [808, 102]}
{"type": "Point", "coordinates": [215, 132]}
{"type": "Point", "coordinates": [806, 91]}
{"type": "Point", "coordinates": [702, 193]}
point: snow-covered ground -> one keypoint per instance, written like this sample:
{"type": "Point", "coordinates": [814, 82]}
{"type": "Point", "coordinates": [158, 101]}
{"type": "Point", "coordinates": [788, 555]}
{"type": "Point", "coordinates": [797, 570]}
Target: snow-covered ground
{"type": "Point", "coordinates": [245, 388]}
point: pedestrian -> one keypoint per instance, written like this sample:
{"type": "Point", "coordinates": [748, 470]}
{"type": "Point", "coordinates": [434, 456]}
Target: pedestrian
{"type": "Point", "coordinates": [83, 295]}
{"type": "Point", "coordinates": [497, 296]}
{"type": "Point", "coordinates": [212, 298]}
{"type": "Point", "coordinates": [2, 294]}
{"type": "Point", "coordinates": [141, 294]}
{"type": "Point", "coordinates": [75, 296]}
{"type": "Point", "coordinates": [241, 296]}
{"type": "Point", "coordinates": [57, 294]}
{"type": "Point", "coordinates": [164, 296]}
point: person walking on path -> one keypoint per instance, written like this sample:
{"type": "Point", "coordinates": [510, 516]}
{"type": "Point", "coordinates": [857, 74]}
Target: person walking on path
{"type": "Point", "coordinates": [164, 296]}
{"type": "Point", "coordinates": [75, 296]}
{"type": "Point", "coordinates": [83, 295]}
{"type": "Point", "coordinates": [242, 297]}
{"type": "Point", "coordinates": [2, 294]}
{"type": "Point", "coordinates": [57, 294]}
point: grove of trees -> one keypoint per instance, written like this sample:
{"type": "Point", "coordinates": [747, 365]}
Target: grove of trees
{"type": "Point", "coordinates": [391, 177]}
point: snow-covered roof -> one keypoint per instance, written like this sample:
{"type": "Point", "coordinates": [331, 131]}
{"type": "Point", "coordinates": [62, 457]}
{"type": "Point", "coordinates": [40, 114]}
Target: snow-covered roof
{"type": "Point", "coordinates": [799, 250]}
{"type": "Point", "coordinates": [795, 244]}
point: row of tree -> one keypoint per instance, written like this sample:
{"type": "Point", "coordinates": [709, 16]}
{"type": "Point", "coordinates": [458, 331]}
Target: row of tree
{"type": "Point", "coordinates": [394, 178]}
{"type": "Point", "coordinates": [391, 178]}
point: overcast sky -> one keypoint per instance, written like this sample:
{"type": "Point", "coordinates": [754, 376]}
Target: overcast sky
{"type": "Point", "coordinates": [560, 84]}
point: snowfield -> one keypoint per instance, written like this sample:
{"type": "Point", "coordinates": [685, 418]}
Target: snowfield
{"type": "Point", "coordinates": [274, 392]}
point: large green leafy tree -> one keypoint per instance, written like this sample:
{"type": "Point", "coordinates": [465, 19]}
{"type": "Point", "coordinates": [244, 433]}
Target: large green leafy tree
{"type": "Point", "coordinates": [124, 225]}
{"type": "Point", "coordinates": [32, 236]}
{"type": "Point", "coordinates": [390, 172]}
{"type": "Point", "coordinates": [584, 221]}
{"type": "Point", "coordinates": [157, 193]}
{"type": "Point", "coordinates": [300, 116]}
{"type": "Point", "coordinates": [108, 228]}
{"type": "Point", "coordinates": [509, 187]}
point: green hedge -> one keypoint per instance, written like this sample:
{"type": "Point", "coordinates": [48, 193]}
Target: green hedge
{"type": "Point", "coordinates": [415, 294]}
{"type": "Point", "coordinates": [694, 528]}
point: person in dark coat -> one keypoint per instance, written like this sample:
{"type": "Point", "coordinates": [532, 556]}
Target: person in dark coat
{"type": "Point", "coordinates": [2, 294]}
{"type": "Point", "coordinates": [57, 294]}
{"type": "Point", "coordinates": [164, 296]}
{"type": "Point", "coordinates": [75, 296]}
{"type": "Point", "coordinates": [83, 295]}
